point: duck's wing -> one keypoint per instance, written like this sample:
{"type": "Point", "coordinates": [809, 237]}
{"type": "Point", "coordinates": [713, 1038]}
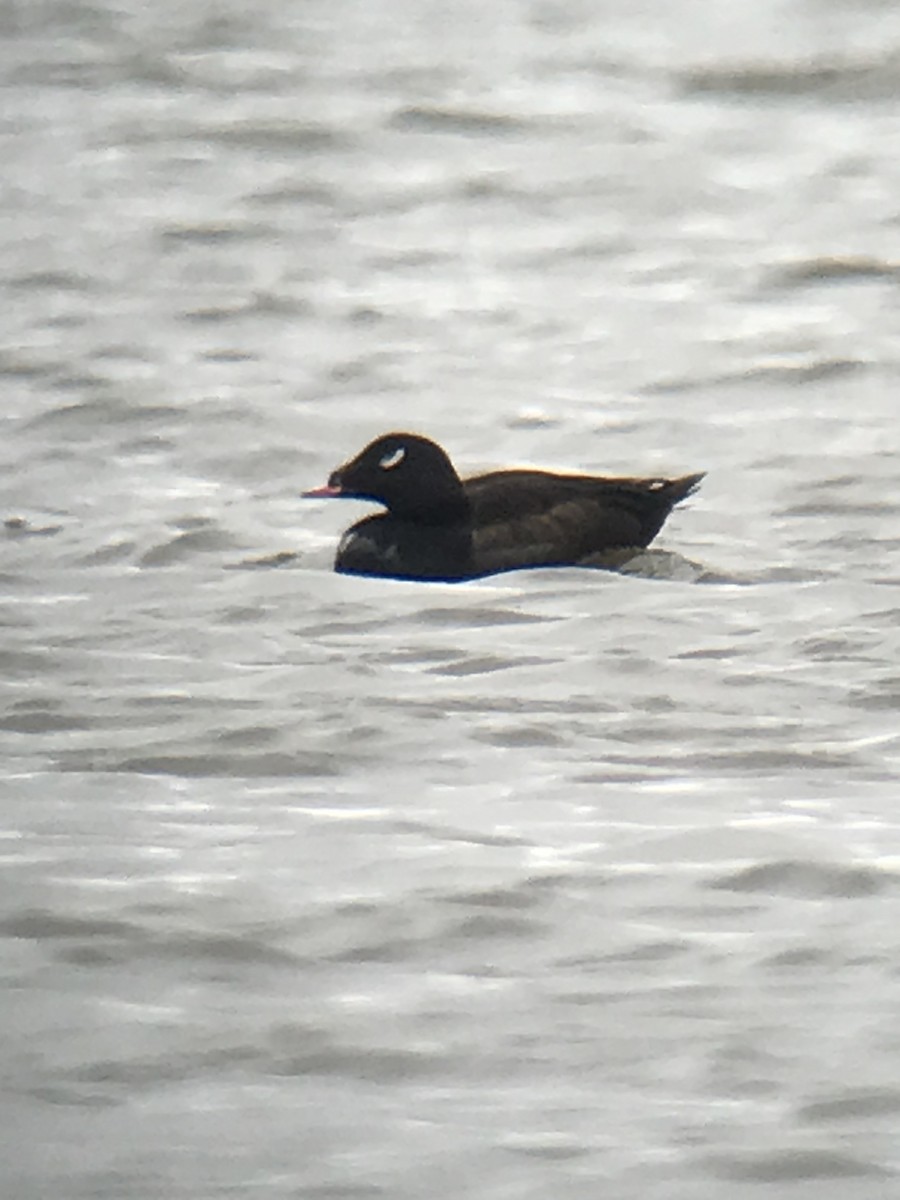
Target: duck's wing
{"type": "Point", "coordinates": [535, 518]}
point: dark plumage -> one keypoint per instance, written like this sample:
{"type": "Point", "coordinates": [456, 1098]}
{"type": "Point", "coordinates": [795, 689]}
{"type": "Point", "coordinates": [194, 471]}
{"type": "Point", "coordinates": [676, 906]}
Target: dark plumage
{"type": "Point", "coordinates": [440, 527]}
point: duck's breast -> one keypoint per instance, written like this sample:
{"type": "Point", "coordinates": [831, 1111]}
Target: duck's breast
{"type": "Point", "coordinates": [385, 545]}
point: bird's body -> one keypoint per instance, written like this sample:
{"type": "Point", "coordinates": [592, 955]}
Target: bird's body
{"type": "Point", "coordinates": [439, 527]}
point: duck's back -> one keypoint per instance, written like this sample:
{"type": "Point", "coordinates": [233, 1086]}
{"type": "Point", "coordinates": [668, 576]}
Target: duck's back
{"type": "Point", "coordinates": [538, 518]}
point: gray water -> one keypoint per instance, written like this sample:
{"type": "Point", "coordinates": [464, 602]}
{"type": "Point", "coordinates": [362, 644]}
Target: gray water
{"type": "Point", "coordinates": [561, 884]}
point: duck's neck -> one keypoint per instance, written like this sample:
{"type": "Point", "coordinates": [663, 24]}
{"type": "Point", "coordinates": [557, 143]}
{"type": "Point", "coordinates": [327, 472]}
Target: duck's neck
{"type": "Point", "coordinates": [437, 508]}
{"type": "Point", "coordinates": [439, 499]}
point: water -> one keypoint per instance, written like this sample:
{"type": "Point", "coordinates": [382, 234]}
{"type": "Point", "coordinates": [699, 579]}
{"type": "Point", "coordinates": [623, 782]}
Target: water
{"type": "Point", "coordinates": [556, 884]}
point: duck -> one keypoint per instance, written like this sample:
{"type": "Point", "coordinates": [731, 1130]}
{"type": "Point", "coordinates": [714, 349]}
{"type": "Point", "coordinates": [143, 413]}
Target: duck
{"type": "Point", "coordinates": [439, 527]}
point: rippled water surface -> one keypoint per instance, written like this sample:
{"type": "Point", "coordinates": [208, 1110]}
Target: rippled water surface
{"type": "Point", "coordinates": [558, 884]}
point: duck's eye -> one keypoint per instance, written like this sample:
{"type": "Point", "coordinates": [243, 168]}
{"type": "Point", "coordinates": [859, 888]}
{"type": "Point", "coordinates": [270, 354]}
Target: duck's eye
{"type": "Point", "coordinates": [392, 459]}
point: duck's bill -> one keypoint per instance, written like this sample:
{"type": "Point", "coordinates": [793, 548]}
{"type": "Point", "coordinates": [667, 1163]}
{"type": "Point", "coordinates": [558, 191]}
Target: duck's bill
{"type": "Point", "coordinates": [326, 490]}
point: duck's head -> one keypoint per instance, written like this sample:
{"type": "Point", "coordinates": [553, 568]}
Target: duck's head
{"type": "Point", "coordinates": [410, 475]}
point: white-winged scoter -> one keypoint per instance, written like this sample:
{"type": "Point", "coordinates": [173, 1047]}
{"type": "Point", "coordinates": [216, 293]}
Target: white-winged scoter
{"type": "Point", "coordinates": [440, 527]}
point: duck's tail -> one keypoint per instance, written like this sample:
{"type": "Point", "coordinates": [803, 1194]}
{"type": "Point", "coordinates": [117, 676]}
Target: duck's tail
{"type": "Point", "coordinates": [676, 490]}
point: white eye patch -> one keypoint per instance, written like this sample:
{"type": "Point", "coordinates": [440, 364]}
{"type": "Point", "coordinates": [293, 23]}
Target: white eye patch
{"type": "Point", "coordinates": [393, 459]}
